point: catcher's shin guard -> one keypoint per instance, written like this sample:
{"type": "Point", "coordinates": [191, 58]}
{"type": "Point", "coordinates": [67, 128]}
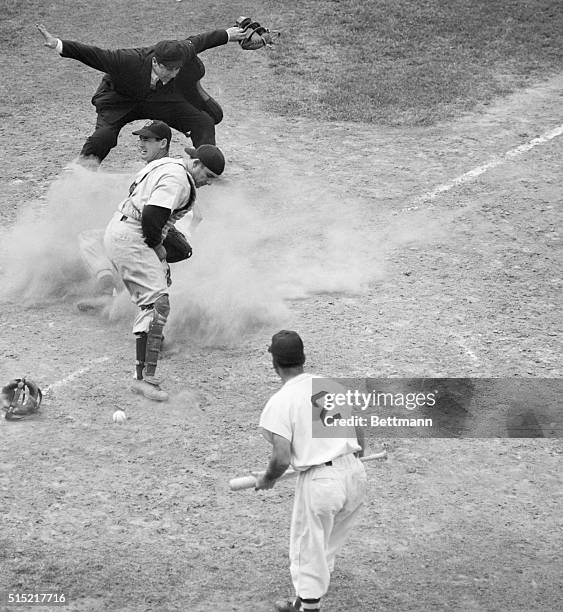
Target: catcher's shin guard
{"type": "Point", "coordinates": [21, 397]}
{"type": "Point", "coordinates": [141, 350]}
{"type": "Point", "coordinates": [161, 310]}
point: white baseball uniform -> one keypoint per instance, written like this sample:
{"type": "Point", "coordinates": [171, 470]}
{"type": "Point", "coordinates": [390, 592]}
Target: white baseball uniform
{"type": "Point", "coordinates": [330, 487]}
{"type": "Point", "coordinates": [164, 182]}
{"type": "Point", "coordinates": [91, 246]}
{"type": "Point", "coordinates": [93, 253]}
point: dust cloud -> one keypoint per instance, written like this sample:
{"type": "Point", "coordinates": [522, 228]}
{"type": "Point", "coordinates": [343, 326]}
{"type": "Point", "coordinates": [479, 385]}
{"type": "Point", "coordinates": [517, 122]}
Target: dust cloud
{"type": "Point", "coordinates": [254, 252]}
{"type": "Point", "coordinates": [40, 257]}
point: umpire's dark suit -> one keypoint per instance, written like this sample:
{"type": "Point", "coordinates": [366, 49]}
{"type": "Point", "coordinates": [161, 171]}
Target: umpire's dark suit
{"type": "Point", "coordinates": [125, 94]}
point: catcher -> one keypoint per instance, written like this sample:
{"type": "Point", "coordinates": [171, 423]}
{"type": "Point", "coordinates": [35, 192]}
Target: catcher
{"type": "Point", "coordinates": [161, 194]}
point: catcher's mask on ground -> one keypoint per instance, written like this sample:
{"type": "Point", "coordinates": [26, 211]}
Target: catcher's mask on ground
{"type": "Point", "coordinates": [21, 397]}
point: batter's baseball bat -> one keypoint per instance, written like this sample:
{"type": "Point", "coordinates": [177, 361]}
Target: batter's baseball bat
{"type": "Point", "coordinates": [248, 482]}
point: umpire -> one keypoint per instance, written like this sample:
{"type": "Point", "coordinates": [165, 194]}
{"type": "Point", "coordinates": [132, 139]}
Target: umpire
{"type": "Point", "coordinates": [157, 82]}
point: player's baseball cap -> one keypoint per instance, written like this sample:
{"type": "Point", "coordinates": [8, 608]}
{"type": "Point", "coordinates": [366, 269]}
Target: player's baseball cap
{"type": "Point", "coordinates": [287, 348]}
{"type": "Point", "coordinates": [172, 53]}
{"type": "Point", "coordinates": [210, 156]}
{"type": "Point", "coordinates": [155, 129]}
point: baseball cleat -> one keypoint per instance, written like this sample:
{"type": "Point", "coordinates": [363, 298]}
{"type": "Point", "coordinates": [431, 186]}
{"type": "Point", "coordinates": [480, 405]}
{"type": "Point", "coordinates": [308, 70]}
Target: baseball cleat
{"type": "Point", "coordinates": [93, 304]}
{"type": "Point", "coordinates": [86, 305]}
{"type": "Point", "coordinates": [148, 390]}
{"type": "Point", "coordinates": [104, 285]}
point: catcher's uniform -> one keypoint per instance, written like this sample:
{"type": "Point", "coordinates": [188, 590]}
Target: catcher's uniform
{"type": "Point", "coordinates": [93, 254]}
{"type": "Point", "coordinates": [164, 182]}
{"type": "Point", "coordinates": [330, 487]}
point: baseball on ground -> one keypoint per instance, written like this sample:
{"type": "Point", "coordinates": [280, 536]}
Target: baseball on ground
{"type": "Point", "coordinates": [119, 417]}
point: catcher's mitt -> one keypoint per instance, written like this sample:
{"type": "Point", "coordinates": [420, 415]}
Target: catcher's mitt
{"type": "Point", "coordinates": [256, 36]}
{"type": "Point", "coordinates": [177, 246]}
{"type": "Point", "coordinates": [21, 397]}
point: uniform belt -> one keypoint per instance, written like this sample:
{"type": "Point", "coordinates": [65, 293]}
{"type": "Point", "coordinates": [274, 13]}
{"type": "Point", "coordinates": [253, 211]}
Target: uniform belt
{"type": "Point", "coordinates": [329, 463]}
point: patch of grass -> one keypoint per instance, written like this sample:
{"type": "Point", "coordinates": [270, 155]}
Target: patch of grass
{"type": "Point", "coordinates": [408, 62]}
{"type": "Point", "coordinates": [392, 62]}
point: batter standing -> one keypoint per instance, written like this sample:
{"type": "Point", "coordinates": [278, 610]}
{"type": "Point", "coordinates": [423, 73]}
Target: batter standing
{"type": "Point", "coordinates": [331, 484]}
{"type": "Point", "coordinates": [162, 193]}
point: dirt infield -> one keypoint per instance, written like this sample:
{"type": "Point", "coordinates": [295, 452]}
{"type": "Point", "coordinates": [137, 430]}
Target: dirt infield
{"type": "Point", "coordinates": [320, 227]}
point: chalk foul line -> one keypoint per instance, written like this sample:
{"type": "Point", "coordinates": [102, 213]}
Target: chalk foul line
{"type": "Point", "coordinates": [493, 163]}
{"type": "Point", "coordinates": [73, 376]}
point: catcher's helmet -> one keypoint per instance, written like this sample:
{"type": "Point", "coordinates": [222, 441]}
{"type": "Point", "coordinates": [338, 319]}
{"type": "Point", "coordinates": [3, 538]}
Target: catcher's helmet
{"type": "Point", "coordinates": [21, 397]}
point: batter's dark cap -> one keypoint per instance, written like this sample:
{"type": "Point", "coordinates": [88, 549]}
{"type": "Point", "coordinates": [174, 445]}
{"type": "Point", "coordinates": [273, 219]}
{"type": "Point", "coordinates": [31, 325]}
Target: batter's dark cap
{"type": "Point", "coordinates": [155, 129]}
{"type": "Point", "coordinates": [287, 348]}
{"type": "Point", "coordinates": [172, 53]}
{"type": "Point", "coordinates": [210, 156]}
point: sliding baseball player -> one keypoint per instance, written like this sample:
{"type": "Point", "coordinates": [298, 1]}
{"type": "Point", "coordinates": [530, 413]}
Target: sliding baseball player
{"type": "Point", "coordinates": [98, 264]}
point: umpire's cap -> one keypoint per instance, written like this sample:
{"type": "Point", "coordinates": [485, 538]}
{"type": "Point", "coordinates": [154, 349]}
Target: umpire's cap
{"type": "Point", "coordinates": [173, 53]}
{"type": "Point", "coordinates": [287, 348]}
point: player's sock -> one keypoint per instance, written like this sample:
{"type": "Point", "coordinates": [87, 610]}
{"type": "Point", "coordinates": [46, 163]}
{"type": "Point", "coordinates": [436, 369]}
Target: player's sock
{"type": "Point", "coordinates": [310, 605]}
